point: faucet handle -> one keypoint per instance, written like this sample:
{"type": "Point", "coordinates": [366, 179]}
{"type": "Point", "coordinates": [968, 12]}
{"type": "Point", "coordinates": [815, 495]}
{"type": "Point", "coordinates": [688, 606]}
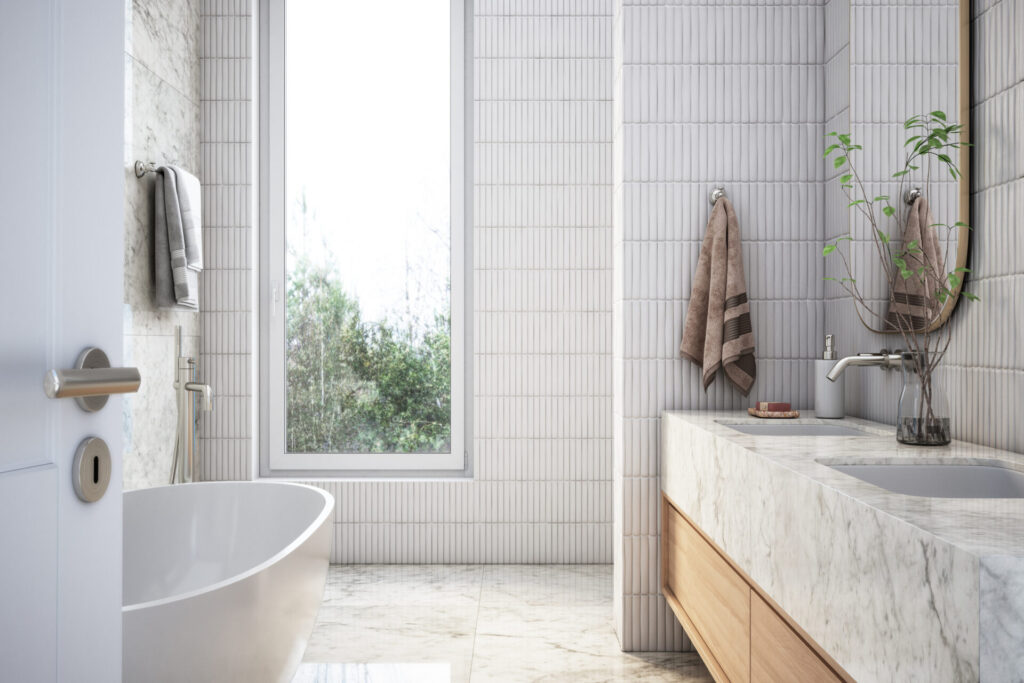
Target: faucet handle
{"type": "Point", "coordinates": [205, 395]}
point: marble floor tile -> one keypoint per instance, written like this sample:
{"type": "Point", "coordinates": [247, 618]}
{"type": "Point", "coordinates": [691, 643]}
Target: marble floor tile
{"type": "Point", "coordinates": [396, 634]}
{"type": "Point", "coordinates": [449, 585]}
{"type": "Point", "coordinates": [588, 628]}
{"type": "Point", "coordinates": [472, 623]}
{"type": "Point", "coordinates": [547, 584]}
{"type": "Point", "coordinates": [501, 659]}
{"type": "Point", "coordinates": [372, 673]}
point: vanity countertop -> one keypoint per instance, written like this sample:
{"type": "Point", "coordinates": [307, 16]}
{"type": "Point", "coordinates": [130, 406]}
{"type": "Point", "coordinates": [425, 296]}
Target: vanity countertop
{"type": "Point", "coordinates": [932, 588]}
{"type": "Point", "coordinates": [979, 526]}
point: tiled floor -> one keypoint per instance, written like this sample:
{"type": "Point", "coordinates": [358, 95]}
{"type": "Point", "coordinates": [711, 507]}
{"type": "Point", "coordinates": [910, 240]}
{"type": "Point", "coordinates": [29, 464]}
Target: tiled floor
{"type": "Point", "coordinates": [427, 623]}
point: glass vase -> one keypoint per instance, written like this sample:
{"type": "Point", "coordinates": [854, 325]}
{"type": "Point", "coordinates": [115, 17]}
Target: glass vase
{"type": "Point", "coordinates": [923, 418]}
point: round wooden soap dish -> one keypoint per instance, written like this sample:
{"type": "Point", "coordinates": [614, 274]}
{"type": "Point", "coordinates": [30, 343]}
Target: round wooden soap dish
{"type": "Point", "coordinates": [776, 415]}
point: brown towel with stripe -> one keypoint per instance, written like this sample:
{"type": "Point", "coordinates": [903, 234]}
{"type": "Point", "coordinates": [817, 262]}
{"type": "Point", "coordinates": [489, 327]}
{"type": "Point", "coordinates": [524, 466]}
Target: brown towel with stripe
{"type": "Point", "coordinates": [913, 302]}
{"type": "Point", "coordinates": [718, 333]}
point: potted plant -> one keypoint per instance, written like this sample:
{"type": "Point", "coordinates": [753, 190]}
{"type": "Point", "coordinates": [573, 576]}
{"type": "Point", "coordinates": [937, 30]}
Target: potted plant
{"type": "Point", "coordinates": [923, 416]}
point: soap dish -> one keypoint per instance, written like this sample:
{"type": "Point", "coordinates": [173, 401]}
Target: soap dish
{"type": "Point", "coordinates": [774, 414]}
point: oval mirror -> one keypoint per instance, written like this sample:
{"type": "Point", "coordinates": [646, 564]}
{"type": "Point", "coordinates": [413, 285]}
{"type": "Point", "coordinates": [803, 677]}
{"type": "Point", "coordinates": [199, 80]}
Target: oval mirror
{"type": "Point", "coordinates": [902, 60]}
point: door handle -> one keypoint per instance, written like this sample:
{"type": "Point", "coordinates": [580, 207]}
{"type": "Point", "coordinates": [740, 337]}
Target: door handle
{"type": "Point", "coordinates": [91, 381]}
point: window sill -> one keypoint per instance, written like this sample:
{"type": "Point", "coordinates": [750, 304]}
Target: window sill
{"type": "Point", "coordinates": [369, 476]}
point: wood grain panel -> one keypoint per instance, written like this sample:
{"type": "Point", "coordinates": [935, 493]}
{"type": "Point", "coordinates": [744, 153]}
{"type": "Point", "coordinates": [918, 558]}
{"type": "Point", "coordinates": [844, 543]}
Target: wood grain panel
{"type": "Point", "coordinates": [715, 598]}
{"type": "Point", "coordinates": [777, 653]}
{"type": "Point", "coordinates": [730, 619]}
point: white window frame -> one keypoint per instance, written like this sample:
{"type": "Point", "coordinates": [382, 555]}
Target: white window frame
{"type": "Point", "coordinates": [274, 461]}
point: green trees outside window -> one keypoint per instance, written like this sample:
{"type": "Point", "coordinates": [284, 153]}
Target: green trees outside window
{"type": "Point", "coordinates": [355, 386]}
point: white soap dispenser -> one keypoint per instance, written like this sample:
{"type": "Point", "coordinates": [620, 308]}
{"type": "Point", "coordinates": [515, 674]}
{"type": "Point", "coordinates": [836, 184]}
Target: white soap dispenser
{"type": "Point", "coordinates": [829, 396]}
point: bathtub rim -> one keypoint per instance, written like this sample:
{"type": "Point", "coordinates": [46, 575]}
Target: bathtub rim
{"type": "Point", "coordinates": [320, 520]}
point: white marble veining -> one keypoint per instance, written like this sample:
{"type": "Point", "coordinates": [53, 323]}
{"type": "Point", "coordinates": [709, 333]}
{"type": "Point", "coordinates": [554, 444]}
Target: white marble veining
{"type": "Point", "coordinates": [405, 623]}
{"type": "Point", "coordinates": [165, 36]}
{"type": "Point", "coordinates": [377, 672]}
{"type": "Point", "coordinates": [150, 416]}
{"type": "Point", "coordinates": [1002, 618]}
{"type": "Point", "coordinates": [890, 585]}
{"type": "Point", "coordinates": [162, 125]}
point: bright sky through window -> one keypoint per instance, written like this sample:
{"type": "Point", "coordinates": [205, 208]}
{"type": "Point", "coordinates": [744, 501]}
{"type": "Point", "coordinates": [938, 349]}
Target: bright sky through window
{"type": "Point", "coordinates": [368, 148]}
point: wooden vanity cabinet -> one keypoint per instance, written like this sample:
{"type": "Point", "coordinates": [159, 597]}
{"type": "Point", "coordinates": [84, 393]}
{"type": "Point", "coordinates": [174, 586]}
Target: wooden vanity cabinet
{"type": "Point", "coordinates": [739, 633]}
{"type": "Point", "coordinates": [777, 653]}
{"type": "Point", "coordinates": [709, 598]}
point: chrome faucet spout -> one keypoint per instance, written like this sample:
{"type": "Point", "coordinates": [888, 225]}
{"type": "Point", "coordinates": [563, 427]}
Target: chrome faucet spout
{"type": "Point", "coordinates": [883, 359]}
{"type": "Point", "coordinates": [205, 394]}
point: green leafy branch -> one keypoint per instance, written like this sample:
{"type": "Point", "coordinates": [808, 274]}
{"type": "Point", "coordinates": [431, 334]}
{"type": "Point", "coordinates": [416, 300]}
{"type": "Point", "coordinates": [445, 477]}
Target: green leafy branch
{"type": "Point", "coordinates": [931, 142]}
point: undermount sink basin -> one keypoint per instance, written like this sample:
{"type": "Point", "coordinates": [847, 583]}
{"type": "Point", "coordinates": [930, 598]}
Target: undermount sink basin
{"type": "Point", "coordinates": [794, 429]}
{"type": "Point", "coordinates": [941, 481]}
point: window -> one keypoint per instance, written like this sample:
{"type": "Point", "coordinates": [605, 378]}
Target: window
{"type": "Point", "coordinates": [363, 240]}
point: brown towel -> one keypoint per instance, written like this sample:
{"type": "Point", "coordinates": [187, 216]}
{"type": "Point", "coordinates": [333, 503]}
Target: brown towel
{"type": "Point", "coordinates": [913, 300]}
{"type": "Point", "coordinates": [717, 332]}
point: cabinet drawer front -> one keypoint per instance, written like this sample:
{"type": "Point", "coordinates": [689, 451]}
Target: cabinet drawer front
{"type": "Point", "coordinates": [777, 653]}
{"type": "Point", "coordinates": [713, 595]}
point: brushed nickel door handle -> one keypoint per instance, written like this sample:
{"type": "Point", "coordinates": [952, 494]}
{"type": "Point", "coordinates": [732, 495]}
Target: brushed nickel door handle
{"type": "Point", "coordinates": [91, 381]}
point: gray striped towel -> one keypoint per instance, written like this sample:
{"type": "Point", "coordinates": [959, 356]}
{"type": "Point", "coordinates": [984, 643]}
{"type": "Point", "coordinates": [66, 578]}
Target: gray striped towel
{"type": "Point", "coordinates": [177, 239]}
{"type": "Point", "coordinates": [718, 333]}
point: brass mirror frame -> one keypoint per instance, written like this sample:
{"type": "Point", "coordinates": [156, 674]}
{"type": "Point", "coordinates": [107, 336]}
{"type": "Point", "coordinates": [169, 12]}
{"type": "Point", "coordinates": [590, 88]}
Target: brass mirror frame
{"type": "Point", "coordinates": [963, 240]}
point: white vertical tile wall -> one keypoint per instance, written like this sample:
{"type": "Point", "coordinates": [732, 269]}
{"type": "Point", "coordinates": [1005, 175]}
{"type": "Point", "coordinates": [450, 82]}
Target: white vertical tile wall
{"type": "Point", "coordinates": [727, 93]}
{"type": "Point", "coordinates": [984, 370]}
{"type": "Point", "coordinates": [542, 282]}
{"type": "Point", "coordinates": [227, 289]}
{"type": "Point", "coordinates": [837, 119]}
{"type": "Point", "coordinates": [837, 215]}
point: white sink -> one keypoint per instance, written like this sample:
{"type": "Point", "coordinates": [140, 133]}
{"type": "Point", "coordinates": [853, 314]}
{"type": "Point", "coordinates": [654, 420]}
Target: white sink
{"type": "Point", "coordinates": [794, 429]}
{"type": "Point", "coordinates": [941, 481]}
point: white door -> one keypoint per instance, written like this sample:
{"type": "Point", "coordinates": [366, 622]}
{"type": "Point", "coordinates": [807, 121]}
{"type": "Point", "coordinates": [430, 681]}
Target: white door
{"type": "Point", "coordinates": [61, 238]}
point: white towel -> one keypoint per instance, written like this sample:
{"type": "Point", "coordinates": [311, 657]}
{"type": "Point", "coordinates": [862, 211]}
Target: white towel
{"type": "Point", "coordinates": [177, 239]}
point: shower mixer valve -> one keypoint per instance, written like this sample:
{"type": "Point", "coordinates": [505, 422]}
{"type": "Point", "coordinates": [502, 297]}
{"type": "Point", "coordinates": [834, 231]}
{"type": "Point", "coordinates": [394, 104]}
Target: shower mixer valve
{"type": "Point", "coordinates": [183, 466]}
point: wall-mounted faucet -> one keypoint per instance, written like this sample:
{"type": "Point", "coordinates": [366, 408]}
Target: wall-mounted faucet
{"type": "Point", "coordinates": [204, 391]}
{"type": "Point", "coordinates": [883, 359]}
{"type": "Point", "coordinates": [183, 467]}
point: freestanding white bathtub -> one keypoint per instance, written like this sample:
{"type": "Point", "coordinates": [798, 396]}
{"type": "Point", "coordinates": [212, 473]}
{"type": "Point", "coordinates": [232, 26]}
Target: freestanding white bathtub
{"type": "Point", "coordinates": [222, 580]}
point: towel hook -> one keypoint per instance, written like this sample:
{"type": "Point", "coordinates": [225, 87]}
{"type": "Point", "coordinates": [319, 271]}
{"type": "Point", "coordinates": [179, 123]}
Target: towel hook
{"type": "Point", "coordinates": [144, 167]}
{"type": "Point", "coordinates": [912, 195]}
{"type": "Point", "coordinates": [716, 194]}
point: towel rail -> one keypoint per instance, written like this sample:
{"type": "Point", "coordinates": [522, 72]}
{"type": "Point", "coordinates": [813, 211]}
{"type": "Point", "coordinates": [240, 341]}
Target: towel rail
{"type": "Point", "coordinates": [144, 167]}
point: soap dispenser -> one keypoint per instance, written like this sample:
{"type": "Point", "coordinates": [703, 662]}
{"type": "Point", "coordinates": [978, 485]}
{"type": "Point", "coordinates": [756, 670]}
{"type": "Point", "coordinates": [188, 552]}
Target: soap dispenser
{"type": "Point", "coordinates": [829, 396]}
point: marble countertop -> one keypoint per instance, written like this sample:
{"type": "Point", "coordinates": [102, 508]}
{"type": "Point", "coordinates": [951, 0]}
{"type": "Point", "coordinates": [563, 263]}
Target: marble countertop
{"type": "Point", "coordinates": [982, 527]}
{"type": "Point", "coordinates": [894, 587]}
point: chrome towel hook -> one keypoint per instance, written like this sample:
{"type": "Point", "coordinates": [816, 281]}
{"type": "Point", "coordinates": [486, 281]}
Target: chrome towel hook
{"type": "Point", "coordinates": [716, 194]}
{"type": "Point", "coordinates": [912, 195]}
{"type": "Point", "coordinates": [144, 167]}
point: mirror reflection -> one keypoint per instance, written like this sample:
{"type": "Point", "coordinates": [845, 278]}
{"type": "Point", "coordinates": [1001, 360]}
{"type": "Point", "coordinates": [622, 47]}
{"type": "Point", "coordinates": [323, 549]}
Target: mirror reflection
{"type": "Point", "coordinates": [895, 60]}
